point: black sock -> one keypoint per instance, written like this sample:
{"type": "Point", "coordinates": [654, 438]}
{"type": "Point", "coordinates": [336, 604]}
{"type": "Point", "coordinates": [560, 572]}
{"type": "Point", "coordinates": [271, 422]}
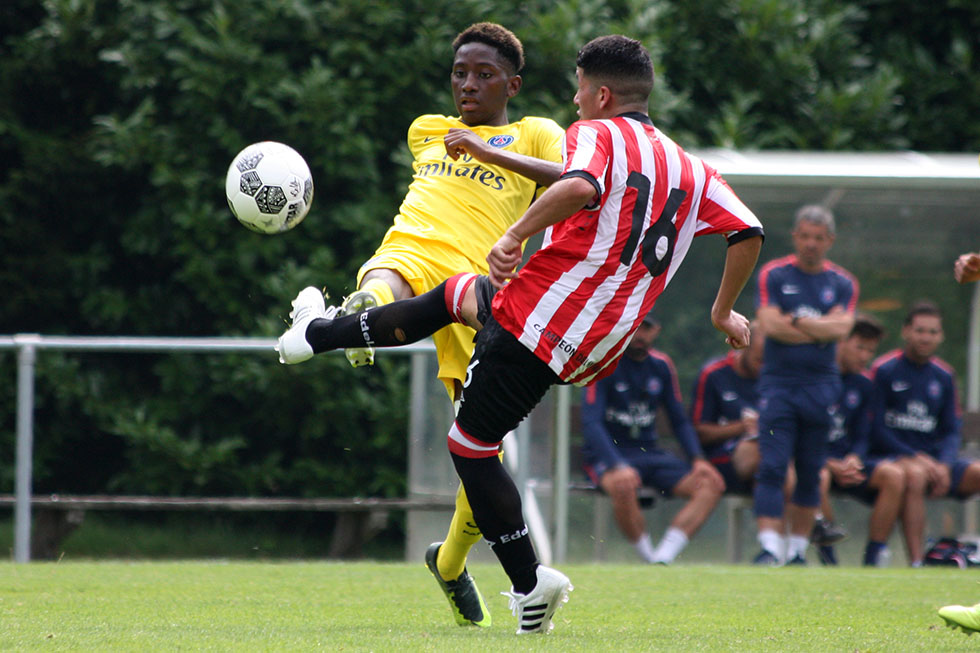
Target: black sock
{"type": "Point", "coordinates": [391, 325]}
{"type": "Point", "coordinates": [871, 552]}
{"type": "Point", "coordinates": [496, 505]}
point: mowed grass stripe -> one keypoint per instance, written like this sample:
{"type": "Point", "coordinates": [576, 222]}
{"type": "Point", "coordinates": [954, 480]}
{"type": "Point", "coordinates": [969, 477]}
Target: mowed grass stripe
{"type": "Point", "coordinates": [221, 606]}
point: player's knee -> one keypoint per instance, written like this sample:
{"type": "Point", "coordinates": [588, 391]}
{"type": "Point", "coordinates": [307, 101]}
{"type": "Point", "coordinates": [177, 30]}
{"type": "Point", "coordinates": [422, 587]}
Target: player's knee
{"type": "Point", "coordinates": [457, 292]}
{"type": "Point", "coordinates": [916, 479]}
{"type": "Point", "coordinates": [771, 475]}
{"type": "Point", "coordinates": [709, 482]}
{"type": "Point", "coordinates": [890, 477]}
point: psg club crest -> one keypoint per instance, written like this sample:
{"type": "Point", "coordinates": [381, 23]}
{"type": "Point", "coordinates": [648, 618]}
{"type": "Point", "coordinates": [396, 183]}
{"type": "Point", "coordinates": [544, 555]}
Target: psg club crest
{"type": "Point", "coordinates": [654, 386]}
{"type": "Point", "coordinates": [500, 140]}
{"type": "Point", "coordinates": [934, 389]}
{"type": "Point", "coordinates": [827, 295]}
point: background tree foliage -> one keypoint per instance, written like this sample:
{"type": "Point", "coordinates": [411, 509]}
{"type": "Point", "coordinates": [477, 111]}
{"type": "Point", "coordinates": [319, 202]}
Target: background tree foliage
{"type": "Point", "coordinates": [118, 119]}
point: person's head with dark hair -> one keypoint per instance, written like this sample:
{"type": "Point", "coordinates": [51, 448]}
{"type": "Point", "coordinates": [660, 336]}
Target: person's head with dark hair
{"type": "Point", "coordinates": [486, 62]}
{"type": "Point", "coordinates": [498, 37]}
{"type": "Point", "coordinates": [615, 76]}
{"type": "Point", "coordinates": [922, 331]}
{"type": "Point", "coordinates": [922, 307]}
{"type": "Point", "coordinates": [868, 327]}
{"type": "Point", "coordinates": [856, 350]}
{"type": "Point", "coordinates": [639, 345]}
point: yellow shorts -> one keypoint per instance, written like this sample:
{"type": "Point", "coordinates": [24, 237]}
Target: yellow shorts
{"type": "Point", "coordinates": [424, 265]}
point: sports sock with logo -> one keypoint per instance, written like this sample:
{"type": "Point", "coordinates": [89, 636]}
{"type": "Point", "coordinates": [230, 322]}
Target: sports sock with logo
{"type": "Point", "coordinates": [391, 325]}
{"type": "Point", "coordinates": [496, 504]}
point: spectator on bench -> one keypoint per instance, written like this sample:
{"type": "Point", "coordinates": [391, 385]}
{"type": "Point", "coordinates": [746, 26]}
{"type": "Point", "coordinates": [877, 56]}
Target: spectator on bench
{"type": "Point", "coordinates": [622, 453]}
{"type": "Point", "coordinates": [876, 481]}
{"type": "Point", "coordinates": [725, 413]}
{"type": "Point", "coordinates": [917, 420]}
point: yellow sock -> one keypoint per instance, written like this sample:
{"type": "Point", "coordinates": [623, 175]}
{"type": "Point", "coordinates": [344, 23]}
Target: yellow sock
{"type": "Point", "coordinates": [463, 534]}
{"type": "Point", "coordinates": [380, 289]}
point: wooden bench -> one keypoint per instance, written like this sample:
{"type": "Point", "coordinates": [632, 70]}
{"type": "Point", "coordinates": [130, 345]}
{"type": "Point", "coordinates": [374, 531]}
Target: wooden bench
{"type": "Point", "coordinates": [358, 518]}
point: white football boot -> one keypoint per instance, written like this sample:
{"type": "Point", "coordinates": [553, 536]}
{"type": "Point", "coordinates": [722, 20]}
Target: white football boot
{"type": "Point", "coordinates": [308, 305]}
{"type": "Point", "coordinates": [535, 610]}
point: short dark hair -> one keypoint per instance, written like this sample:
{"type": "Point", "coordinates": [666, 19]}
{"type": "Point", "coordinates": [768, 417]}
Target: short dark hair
{"type": "Point", "coordinates": [867, 327]}
{"type": "Point", "coordinates": [619, 62]}
{"type": "Point", "coordinates": [922, 307]}
{"type": "Point", "coordinates": [507, 45]}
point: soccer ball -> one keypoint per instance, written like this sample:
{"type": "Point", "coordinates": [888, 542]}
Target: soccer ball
{"type": "Point", "coordinates": [269, 187]}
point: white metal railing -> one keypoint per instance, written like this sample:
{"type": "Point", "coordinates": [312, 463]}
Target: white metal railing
{"type": "Point", "coordinates": [28, 344]}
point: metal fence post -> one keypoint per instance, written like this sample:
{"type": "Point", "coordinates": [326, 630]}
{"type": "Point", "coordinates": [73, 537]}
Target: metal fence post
{"type": "Point", "coordinates": [26, 352]}
{"type": "Point", "coordinates": [563, 403]}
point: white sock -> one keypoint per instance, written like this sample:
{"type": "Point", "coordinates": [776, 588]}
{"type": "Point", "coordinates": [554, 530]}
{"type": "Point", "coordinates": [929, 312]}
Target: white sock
{"type": "Point", "coordinates": [772, 542]}
{"type": "Point", "coordinates": [645, 548]}
{"type": "Point", "coordinates": [797, 546]}
{"type": "Point", "coordinates": [671, 544]}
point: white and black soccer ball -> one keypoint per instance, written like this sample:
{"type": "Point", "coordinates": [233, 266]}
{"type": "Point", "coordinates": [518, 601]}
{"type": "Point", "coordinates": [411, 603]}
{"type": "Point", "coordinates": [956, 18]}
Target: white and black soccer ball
{"type": "Point", "coordinates": [269, 187]}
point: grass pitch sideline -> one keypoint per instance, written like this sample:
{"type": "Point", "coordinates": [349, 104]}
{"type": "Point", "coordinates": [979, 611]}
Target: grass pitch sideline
{"type": "Point", "coordinates": [302, 606]}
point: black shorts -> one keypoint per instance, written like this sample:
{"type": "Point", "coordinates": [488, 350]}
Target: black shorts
{"type": "Point", "coordinates": [484, 297]}
{"type": "Point", "coordinates": [504, 382]}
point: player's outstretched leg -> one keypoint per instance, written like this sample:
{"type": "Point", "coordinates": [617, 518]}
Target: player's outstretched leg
{"type": "Point", "coordinates": [464, 597]}
{"type": "Point", "coordinates": [959, 616]}
{"type": "Point", "coordinates": [535, 609]}
{"type": "Point", "coordinates": [308, 306]}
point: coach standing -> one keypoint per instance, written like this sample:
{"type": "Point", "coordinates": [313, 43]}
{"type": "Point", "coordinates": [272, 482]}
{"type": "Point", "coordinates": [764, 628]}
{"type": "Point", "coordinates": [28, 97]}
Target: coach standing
{"type": "Point", "coordinates": [805, 305]}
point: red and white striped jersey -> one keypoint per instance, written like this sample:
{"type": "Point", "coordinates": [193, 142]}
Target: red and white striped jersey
{"type": "Point", "coordinates": [578, 300]}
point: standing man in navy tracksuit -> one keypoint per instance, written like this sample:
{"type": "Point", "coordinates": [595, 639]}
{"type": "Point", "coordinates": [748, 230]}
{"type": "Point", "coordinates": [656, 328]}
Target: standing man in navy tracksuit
{"type": "Point", "coordinates": [805, 306]}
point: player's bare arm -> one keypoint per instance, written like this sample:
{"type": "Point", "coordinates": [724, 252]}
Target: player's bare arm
{"type": "Point", "coordinates": [740, 261]}
{"type": "Point", "coordinates": [831, 327]}
{"type": "Point", "coordinates": [460, 141]}
{"type": "Point", "coordinates": [560, 201]}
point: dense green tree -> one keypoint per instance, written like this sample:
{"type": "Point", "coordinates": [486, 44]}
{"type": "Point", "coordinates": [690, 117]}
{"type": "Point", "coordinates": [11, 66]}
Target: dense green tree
{"type": "Point", "coordinates": [118, 119]}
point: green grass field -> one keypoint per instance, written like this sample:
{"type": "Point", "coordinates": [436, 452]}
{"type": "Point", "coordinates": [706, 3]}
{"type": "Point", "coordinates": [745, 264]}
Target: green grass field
{"type": "Point", "coordinates": [262, 606]}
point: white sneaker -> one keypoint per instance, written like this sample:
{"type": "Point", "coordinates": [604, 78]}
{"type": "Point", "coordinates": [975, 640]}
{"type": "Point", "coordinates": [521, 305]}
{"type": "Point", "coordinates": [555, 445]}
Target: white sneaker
{"type": "Point", "coordinates": [308, 305]}
{"type": "Point", "coordinates": [535, 610]}
{"type": "Point", "coordinates": [356, 302]}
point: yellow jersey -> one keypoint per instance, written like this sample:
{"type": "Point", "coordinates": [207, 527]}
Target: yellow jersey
{"type": "Point", "coordinates": [455, 211]}
{"type": "Point", "coordinates": [464, 203]}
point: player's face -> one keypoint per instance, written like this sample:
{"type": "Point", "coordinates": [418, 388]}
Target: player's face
{"type": "Point", "coordinates": [642, 340]}
{"type": "Point", "coordinates": [811, 242]}
{"type": "Point", "coordinates": [482, 85]}
{"type": "Point", "coordinates": [855, 353]}
{"type": "Point", "coordinates": [587, 97]}
{"type": "Point", "coordinates": [923, 337]}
